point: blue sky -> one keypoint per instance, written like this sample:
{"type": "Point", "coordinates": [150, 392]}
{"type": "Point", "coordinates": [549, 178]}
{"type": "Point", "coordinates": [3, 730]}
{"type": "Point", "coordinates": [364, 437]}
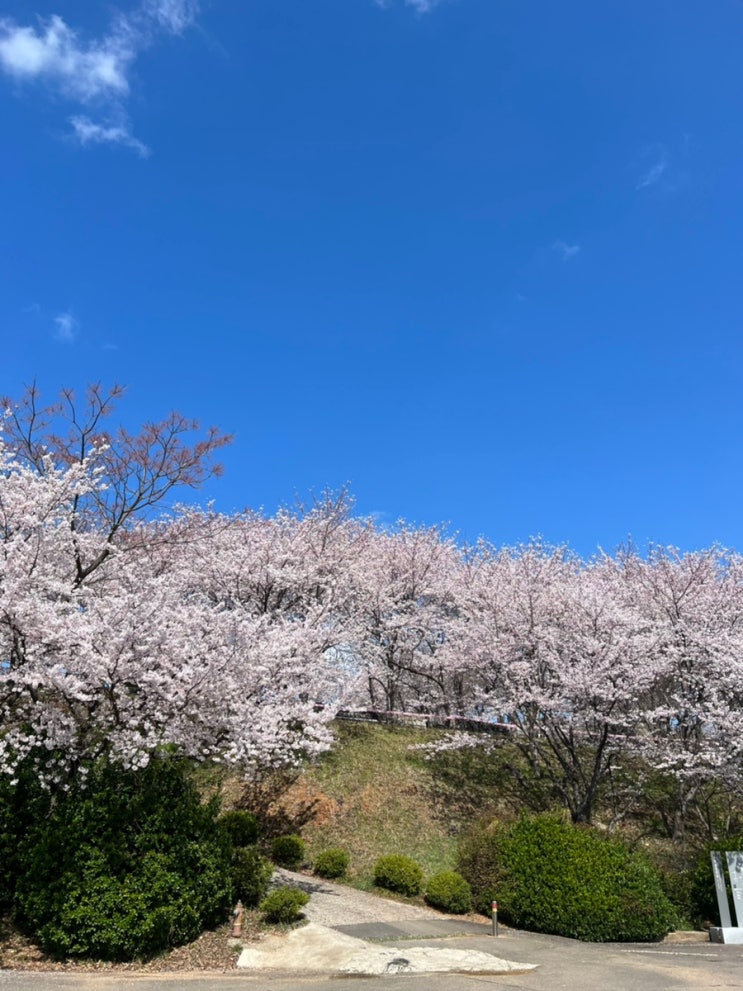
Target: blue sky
{"type": "Point", "coordinates": [479, 258]}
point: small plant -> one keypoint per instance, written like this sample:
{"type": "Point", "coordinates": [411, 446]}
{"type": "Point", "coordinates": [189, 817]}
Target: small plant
{"type": "Point", "coordinates": [284, 905]}
{"type": "Point", "coordinates": [332, 863]}
{"type": "Point", "coordinates": [449, 892]}
{"type": "Point", "coordinates": [251, 875]}
{"type": "Point", "coordinates": [288, 851]}
{"type": "Point", "coordinates": [242, 827]}
{"type": "Point", "coordinates": [398, 873]}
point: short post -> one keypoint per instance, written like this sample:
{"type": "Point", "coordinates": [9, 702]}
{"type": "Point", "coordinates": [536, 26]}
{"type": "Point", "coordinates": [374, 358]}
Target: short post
{"type": "Point", "coordinates": [237, 925]}
{"type": "Point", "coordinates": [495, 918]}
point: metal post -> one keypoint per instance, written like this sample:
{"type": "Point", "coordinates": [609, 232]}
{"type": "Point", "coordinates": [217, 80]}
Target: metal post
{"type": "Point", "coordinates": [495, 918]}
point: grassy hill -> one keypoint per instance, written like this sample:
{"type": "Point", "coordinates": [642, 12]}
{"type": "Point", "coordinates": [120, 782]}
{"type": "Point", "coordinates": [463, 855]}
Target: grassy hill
{"type": "Point", "coordinates": [373, 794]}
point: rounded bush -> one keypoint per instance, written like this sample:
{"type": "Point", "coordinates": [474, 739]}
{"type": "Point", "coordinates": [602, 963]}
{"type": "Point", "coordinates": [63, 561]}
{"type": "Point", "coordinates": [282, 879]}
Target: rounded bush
{"type": "Point", "coordinates": [251, 875]}
{"type": "Point", "coordinates": [449, 892]}
{"type": "Point", "coordinates": [126, 867]}
{"type": "Point", "coordinates": [332, 863]}
{"type": "Point", "coordinates": [398, 873]}
{"type": "Point", "coordinates": [242, 827]}
{"type": "Point", "coordinates": [552, 877]}
{"type": "Point", "coordinates": [284, 905]}
{"type": "Point", "coordinates": [287, 851]}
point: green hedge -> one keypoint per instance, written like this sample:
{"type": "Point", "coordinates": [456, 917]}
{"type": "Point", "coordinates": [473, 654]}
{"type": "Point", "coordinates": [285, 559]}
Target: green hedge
{"type": "Point", "coordinates": [288, 851]}
{"type": "Point", "coordinates": [284, 905]}
{"type": "Point", "coordinates": [251, 875]}
{"type": "Point", "coordinates": [21, 805]}
{"type": "Point", "coordinates": [126, 867]}
{"type": "Point", "coordinates": [332, 863]}
{"type": "Point", "coordinates": [398, 873]}
{"type": "Point", "coordinates": [552, 877]}
{"type": "Point", "coordinates": [242, 827]}
{"type": "Point", "coordinates": [449, 892]}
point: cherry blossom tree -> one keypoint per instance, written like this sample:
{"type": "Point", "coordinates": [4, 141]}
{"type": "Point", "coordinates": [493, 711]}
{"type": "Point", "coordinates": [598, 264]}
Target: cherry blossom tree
{"type": "Point", "coordinates": [691, 717]}
{"type": "Point", "coordinates": [136, 472]}
{"type": "Point", "coordinates": [557, 659]}
{"type": "Point", "coordinates": [115, 638]}
{"type": "Point", "coordinates": [403, 625]}
{"type": "Point", "coordinates": [127, 626]}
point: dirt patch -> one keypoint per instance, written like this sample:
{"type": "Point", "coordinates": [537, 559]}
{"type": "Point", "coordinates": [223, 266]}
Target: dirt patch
{"type": "Point", "coordinates": [212, 951]}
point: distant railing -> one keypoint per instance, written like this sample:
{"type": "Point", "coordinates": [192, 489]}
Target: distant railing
{"type": "Point", "coordinates": [425, 719]}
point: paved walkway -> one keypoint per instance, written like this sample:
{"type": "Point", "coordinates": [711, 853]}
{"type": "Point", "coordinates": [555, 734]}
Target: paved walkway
{"type": "Point", "coordinates": [374, 916]}
{"type": "Point", "coordinates": [354, 933]}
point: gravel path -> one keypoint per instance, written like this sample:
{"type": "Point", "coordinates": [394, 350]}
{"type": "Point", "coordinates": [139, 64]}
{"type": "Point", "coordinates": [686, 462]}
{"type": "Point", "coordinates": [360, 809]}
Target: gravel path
{"type": "Point", "coordinates": [337, 905]}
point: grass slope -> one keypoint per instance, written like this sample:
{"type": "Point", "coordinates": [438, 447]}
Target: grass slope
{"type": "Point", "coordinates": [375, 795]}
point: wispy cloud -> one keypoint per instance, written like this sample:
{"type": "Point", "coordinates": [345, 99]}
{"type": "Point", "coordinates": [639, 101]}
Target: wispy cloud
{"type": "Point", "coordinates": [67, 328]}
{"type": "Point", "coordinates": [93, 73]}
{"type": "Point", "coordinates": [422, 6]}
{"type": "Point", "coordinates": [655, 171]}
{"type": "Point", "coordinates": [566, 251]}
{"type": "Point", "coordinates": [89, 133]}
{"type": "Point", "coordinates": [419, 6]}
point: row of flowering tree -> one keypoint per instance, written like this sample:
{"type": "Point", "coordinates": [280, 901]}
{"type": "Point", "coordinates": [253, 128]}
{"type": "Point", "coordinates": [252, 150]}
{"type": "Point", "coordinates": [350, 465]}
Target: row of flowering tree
{"type": "Point", "coordinates": [125, 629]}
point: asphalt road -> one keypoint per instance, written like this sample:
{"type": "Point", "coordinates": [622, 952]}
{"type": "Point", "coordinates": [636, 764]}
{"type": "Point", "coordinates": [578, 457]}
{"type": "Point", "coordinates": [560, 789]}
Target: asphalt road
{"type": "Point", "coordinates": [564, 965]}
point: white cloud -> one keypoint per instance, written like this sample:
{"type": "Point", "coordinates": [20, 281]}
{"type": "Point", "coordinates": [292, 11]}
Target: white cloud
{"type": "Point", "coordinates": [419, 6]}
{"type": "Point", "coordinates": [566, 251]}
{"type": "Point", "coordinates": [654, 173]}
{"type": "Point", "coordinates": [94, 72]}
{"type": "Point", "coordinates": [173, 16]}
{"type": "Point", "coordinates": [67, 328]}
{"type": "Point", "coordinates": [54, 52]}
{"type": "Point", "coordinates": [89, 133]}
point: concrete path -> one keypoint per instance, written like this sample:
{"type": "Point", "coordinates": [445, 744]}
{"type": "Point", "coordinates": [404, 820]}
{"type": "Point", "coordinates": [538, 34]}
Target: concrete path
{"type": "Point", "coordinates": [565, 965]}
{"type": "Point", "coordinates": [320, 950]}
{"type": "Point", "coordinates": [354, 933]}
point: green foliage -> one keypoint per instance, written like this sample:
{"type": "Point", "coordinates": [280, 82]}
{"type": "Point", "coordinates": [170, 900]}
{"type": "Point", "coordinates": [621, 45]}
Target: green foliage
{"type": "Point", "coordinates": [126, 867]}
{"type": "Point", "coordinates": [449, 892]}
{"type": "Point", "coordinates": [705, 909]}
{"type": "Point", "coordinates": [332, 863]}
{"type": "Point", "coordinates": [398, 873]}
{"type": "Point", "coordinates": [549, 876]}
{"type": "Point", "coordinates": [251, 875]}
{"type": "Point", "coordinates": [287, 851]}
{"type": "Point", "coordinates": [284, 905]}
{"type": "Point", "coordinates": [21, 805]}
{"type": "Point", "coordinates": [242, 827]}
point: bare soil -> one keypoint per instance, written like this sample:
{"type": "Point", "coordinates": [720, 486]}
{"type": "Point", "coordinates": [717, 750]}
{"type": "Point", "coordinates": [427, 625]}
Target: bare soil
{"type": "Point", "coordinates": [213, 951]}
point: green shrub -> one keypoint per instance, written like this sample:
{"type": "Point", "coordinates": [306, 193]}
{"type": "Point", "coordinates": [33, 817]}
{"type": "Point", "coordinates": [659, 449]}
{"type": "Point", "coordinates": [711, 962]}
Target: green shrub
{"type": "Point", "coordinates": [549, 876]}
{"type": "Point", "coordinates": [449, 892]}
{"type": "Point", "coordinates": [332, 863]}
{"type": "Point", "coordinates": [251, 875]}
{"type": "Point", "coordinates": [703, 896]}
{"type": "Point", "coordinates": [242, 827]}
{"type": "Point", "coordinates": [126, 867]}
{"type": "Point", "coordinates": [21, 804]}
{"type": "Point", "coordinates": [284, 905]}
{"type": "Point", "coordinates": [398, 873]}
{"type": "Point", "coordinates": [287, 851]}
